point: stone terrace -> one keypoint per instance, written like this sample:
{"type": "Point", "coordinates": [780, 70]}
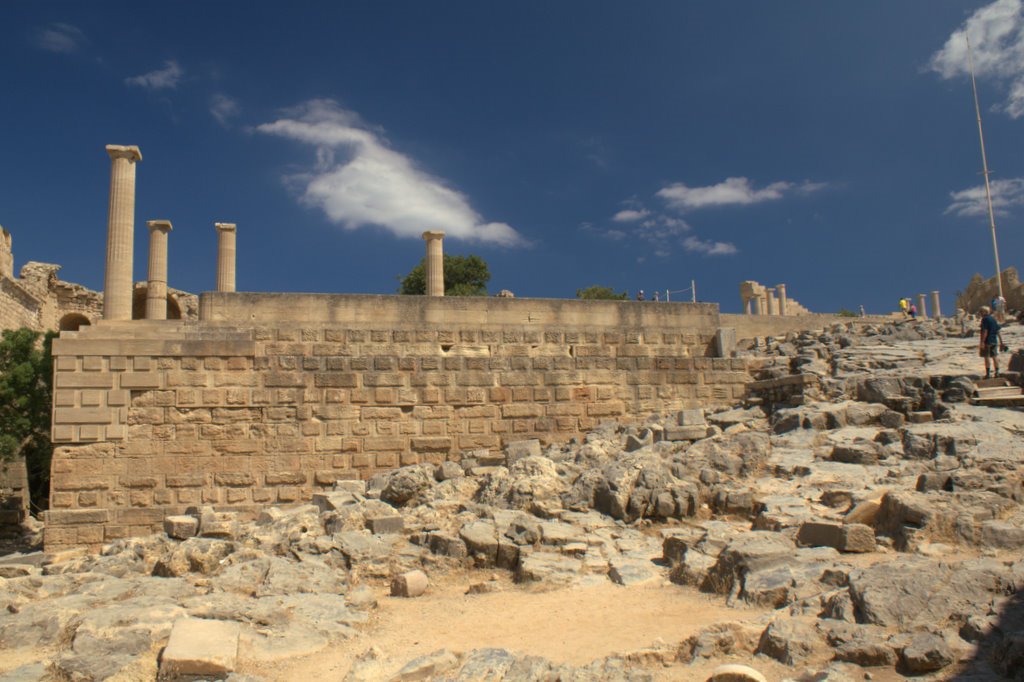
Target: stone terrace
{"type": "Point", "coordinates": [271, 397]}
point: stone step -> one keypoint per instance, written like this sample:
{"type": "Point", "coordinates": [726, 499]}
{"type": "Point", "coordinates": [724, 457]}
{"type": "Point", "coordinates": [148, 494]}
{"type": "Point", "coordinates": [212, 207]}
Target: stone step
{"type": "Point", "coordinates": [1014, 401]}
{"type": "Point", "coordinates": [998, 392]}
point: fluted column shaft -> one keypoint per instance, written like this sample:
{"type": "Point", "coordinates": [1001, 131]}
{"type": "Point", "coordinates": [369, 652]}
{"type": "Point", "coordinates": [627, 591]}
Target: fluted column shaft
{"type": "Point", "coordinates": [117, 280]}
{"type": "Point", "coordinates": [936, 311]}
{"type": "Point", "coordinates": [769, 300]}
{"type": "Point", "coordinates": [780, 291]}
{"type": "Point", "coordinates": [156, 289]}
{"type": "Point", "coordinates": [225, 256]}
{"type": "Point", "coordinates": [922, 311]}
{"type": "Point", "coordinates": [435, 262]}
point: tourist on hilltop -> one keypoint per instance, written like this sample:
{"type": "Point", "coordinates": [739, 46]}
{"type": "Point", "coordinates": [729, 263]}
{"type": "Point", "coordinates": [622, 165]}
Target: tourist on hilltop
{"type": "Point", "coordinates": [912, 311]}
{"type": "Point", "coordinates": [989, 346]}
{"type": "Point", "coordinates": [640, 295]}
{"type": "Point", "coordinates": [903, 306]}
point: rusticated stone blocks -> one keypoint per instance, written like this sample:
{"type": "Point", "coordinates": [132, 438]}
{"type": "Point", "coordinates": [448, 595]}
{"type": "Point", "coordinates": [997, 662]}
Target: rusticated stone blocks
{"type": "Point", "coordinates": [152, 420]}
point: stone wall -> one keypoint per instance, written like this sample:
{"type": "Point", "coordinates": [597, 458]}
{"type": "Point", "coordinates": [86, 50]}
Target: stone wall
{"type": "Point", "coordinates": [273, 397]}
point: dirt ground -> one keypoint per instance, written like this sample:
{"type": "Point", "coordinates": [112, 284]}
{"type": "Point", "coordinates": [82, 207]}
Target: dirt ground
{"type": "Point", "coordinates": [572, 625]}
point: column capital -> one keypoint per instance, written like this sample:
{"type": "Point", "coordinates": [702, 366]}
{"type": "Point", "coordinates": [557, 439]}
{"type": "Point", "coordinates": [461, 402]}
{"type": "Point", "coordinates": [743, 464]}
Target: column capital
{"type": "Point", "coordinates": [120, 151]}
{"type": "Point", "coordinates": [225, 227]}
{"type": "Point", "coordinates": [159, 225]}
{"type": "Point", "coordinates": [433, 234]}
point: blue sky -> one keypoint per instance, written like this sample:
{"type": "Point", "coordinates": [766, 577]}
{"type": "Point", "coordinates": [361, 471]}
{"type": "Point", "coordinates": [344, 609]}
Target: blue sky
{"type": "Point", "coordinates": [830, 146]}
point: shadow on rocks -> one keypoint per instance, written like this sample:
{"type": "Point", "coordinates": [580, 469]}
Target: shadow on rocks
{"type": "Point", "coordinates": [999, 639]}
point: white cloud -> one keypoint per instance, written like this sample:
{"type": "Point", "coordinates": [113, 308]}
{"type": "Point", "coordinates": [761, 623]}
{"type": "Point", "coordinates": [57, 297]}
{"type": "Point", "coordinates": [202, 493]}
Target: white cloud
{"type": "Point", "coordinates": [223, 108]}
{"type": "Point", "coordinates": [60, 38]}
{"type": "Point", "coordinates": [709, 248]}
{"type": "Point", "coordinates": [996, 32]}
{"type": "Point", "coordinates": [732, 192]}
{"type": "Point", "coordinates": [630, 215]}
{"type": "Point", "coordinates": [372, 184]}
{"type": "Point", "coordinates": [971, 201]}
{"type": "Point", "coordinates": [166, 78]}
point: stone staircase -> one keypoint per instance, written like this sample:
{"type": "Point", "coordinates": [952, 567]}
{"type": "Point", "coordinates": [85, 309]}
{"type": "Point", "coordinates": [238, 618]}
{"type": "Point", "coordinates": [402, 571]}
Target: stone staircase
{"type": "Point", "coordinates": [1001, 391]}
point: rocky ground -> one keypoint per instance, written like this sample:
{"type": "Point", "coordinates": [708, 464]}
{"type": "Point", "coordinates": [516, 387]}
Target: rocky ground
{"type": "Point", "coordinates": [869, 527]}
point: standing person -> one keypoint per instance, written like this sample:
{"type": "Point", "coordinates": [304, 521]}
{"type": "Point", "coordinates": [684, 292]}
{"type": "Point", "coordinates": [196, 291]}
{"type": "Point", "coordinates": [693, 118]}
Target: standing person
{"type": "Point", "coordinates": [988, 346]}
{"type": "Point", "coordinates": [640, 295]}
{"type": "Point", "coordinates": [913, 311]}
{"type": "Point", "coordinates": [903, 306]}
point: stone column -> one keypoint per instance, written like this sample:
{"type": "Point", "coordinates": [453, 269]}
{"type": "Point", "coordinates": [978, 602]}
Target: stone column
{"type": "Point", "coordinates": [225, 256]}
{"type": "Point", "coordinates": [922, 312]}
{"type": "Point", "coordinates": [756, 300]}
{"type": "Point", "coordinates": [936, 311]}
{"type": "Point", "coordinates": [435, 262]}
{"type": "Point", "coordinates": [780, 291]}
{"type": "Point", "coordinates": [769, 300]}
{"type": "Point", "coordinates": [746, 305]}
{"type": "Point", "coordinates": [117, 281]}
{"type": "Point", "coordinates": [156, 289]}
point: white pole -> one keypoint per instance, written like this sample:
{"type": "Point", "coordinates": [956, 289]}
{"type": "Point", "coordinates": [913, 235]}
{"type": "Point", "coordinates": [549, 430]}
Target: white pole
{"type": "Point", "coordinates": [984, 165]}
{"type": "Point", "coordinates": [693, 288]}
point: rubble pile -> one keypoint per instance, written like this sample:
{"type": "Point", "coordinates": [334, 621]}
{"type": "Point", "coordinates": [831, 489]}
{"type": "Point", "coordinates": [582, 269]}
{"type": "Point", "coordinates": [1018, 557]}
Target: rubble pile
{"type": "Point", "coordinates": [873, 525]}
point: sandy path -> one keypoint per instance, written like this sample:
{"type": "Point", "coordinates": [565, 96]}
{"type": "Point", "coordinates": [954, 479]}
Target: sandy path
{"type": "Point", "coordinates": [572, 625]}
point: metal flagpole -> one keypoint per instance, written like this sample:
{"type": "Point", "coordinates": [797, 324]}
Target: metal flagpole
{"type": "Point", "coordinates": [984, 165]}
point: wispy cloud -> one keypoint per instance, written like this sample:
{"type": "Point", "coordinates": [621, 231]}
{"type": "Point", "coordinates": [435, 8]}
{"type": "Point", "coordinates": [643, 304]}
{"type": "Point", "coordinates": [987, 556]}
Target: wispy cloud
{"type": "Point", "coordinates": [709, 248]}
{"type": "Point", "coordinates": [166, 78]}
{"type": "Point", "coordinates": [64, 38]}
{"type": "Point", "coordinates": [996, 32]}
{"type": "Point", "coordinates": [360, 181]}
{"type": "Point", "coordinates": [731, 192]}
{"type": "Point", "coordinates": [630, 215]}
{"type": "Point", "coordinates": [971, 202]}
{"type": "Point", "coordinates": [223, 108]}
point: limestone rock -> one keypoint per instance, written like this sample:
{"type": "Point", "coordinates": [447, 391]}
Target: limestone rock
{"type": "Point", "coordinates": [733, 672]}
{"type": "Point", "coordinates": [200, 648]}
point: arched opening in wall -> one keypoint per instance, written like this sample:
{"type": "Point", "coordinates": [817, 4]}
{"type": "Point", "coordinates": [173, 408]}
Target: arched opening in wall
{"type": "Point", "coordinates": [72, 322]}
{"type": "Point", "coordinates": [139, 305]}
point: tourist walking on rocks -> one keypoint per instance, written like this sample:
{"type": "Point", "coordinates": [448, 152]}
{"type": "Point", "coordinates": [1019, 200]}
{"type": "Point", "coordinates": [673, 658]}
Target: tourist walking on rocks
{"type": "Point", "coordinates": [903, 306]}
{"type": "Point", "coordinates": [988, 347]}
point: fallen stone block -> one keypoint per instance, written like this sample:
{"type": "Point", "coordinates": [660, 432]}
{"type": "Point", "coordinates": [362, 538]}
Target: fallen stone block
{"type": "Point", "coordinates": [200, 647]}
{"type": "Point", "coordinates": [520, 450]}
{"type": "Point", "coordinates": [354, 486]}
{"type": "Point", "coordinates": [334, 501]}
{"type": "Point", "coordinates": [447, 545]}
{"type": "Point", "coordinates": [222, 525]}
{"type": "Point", "coordinates": [691, 418]}
{"type": "Point", "coordinates": [181, 527]}
{"type": "Point", "coordinates": [448, 470]}
{"type": "Point", "coordinates": [381, 525]}
{"type": "Point", "coordinates": [677, 433]}
{"type": "Point", "coordinates": [922, 417]}
{"type": "Point", "coordinates": [820, 534]}
{"type": "Point", "coordinates": [411, 584]}
{"type": "Point", "coordinates": [857, 538]}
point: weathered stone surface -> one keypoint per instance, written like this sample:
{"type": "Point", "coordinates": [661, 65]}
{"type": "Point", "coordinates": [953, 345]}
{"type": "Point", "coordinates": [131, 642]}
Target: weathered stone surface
{"type": "Point", "coordinates": [405, 484]}
{"type": "Point", "coordinates": [926, 653]}
{"type": "Point", "coordinates": [789, 641]}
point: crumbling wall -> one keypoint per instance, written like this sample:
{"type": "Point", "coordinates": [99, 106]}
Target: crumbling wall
{"type": "Point", "coordinates": [274, 397]}
{"type": "Point", "coordinates": [981, 291]}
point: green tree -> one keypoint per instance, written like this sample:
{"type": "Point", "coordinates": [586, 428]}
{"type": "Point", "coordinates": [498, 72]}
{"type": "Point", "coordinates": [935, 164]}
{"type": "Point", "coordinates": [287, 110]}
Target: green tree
{"type": "Point", "coordinates": [463, 276]}
{"type": "Point", "coordinates": [596, 292]}
{"type": "Point", "coordinates": [26, 397]}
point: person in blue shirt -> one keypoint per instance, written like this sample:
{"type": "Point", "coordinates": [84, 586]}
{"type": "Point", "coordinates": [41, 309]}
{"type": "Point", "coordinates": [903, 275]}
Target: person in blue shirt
{"type": "Point", "coordinates": [988, 346]}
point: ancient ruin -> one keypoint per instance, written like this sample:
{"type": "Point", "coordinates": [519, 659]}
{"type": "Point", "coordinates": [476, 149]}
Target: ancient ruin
{"type": "Point", "coordinates": [575, 490]}
{"type": "Point", "coordinates": [760, 300]}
